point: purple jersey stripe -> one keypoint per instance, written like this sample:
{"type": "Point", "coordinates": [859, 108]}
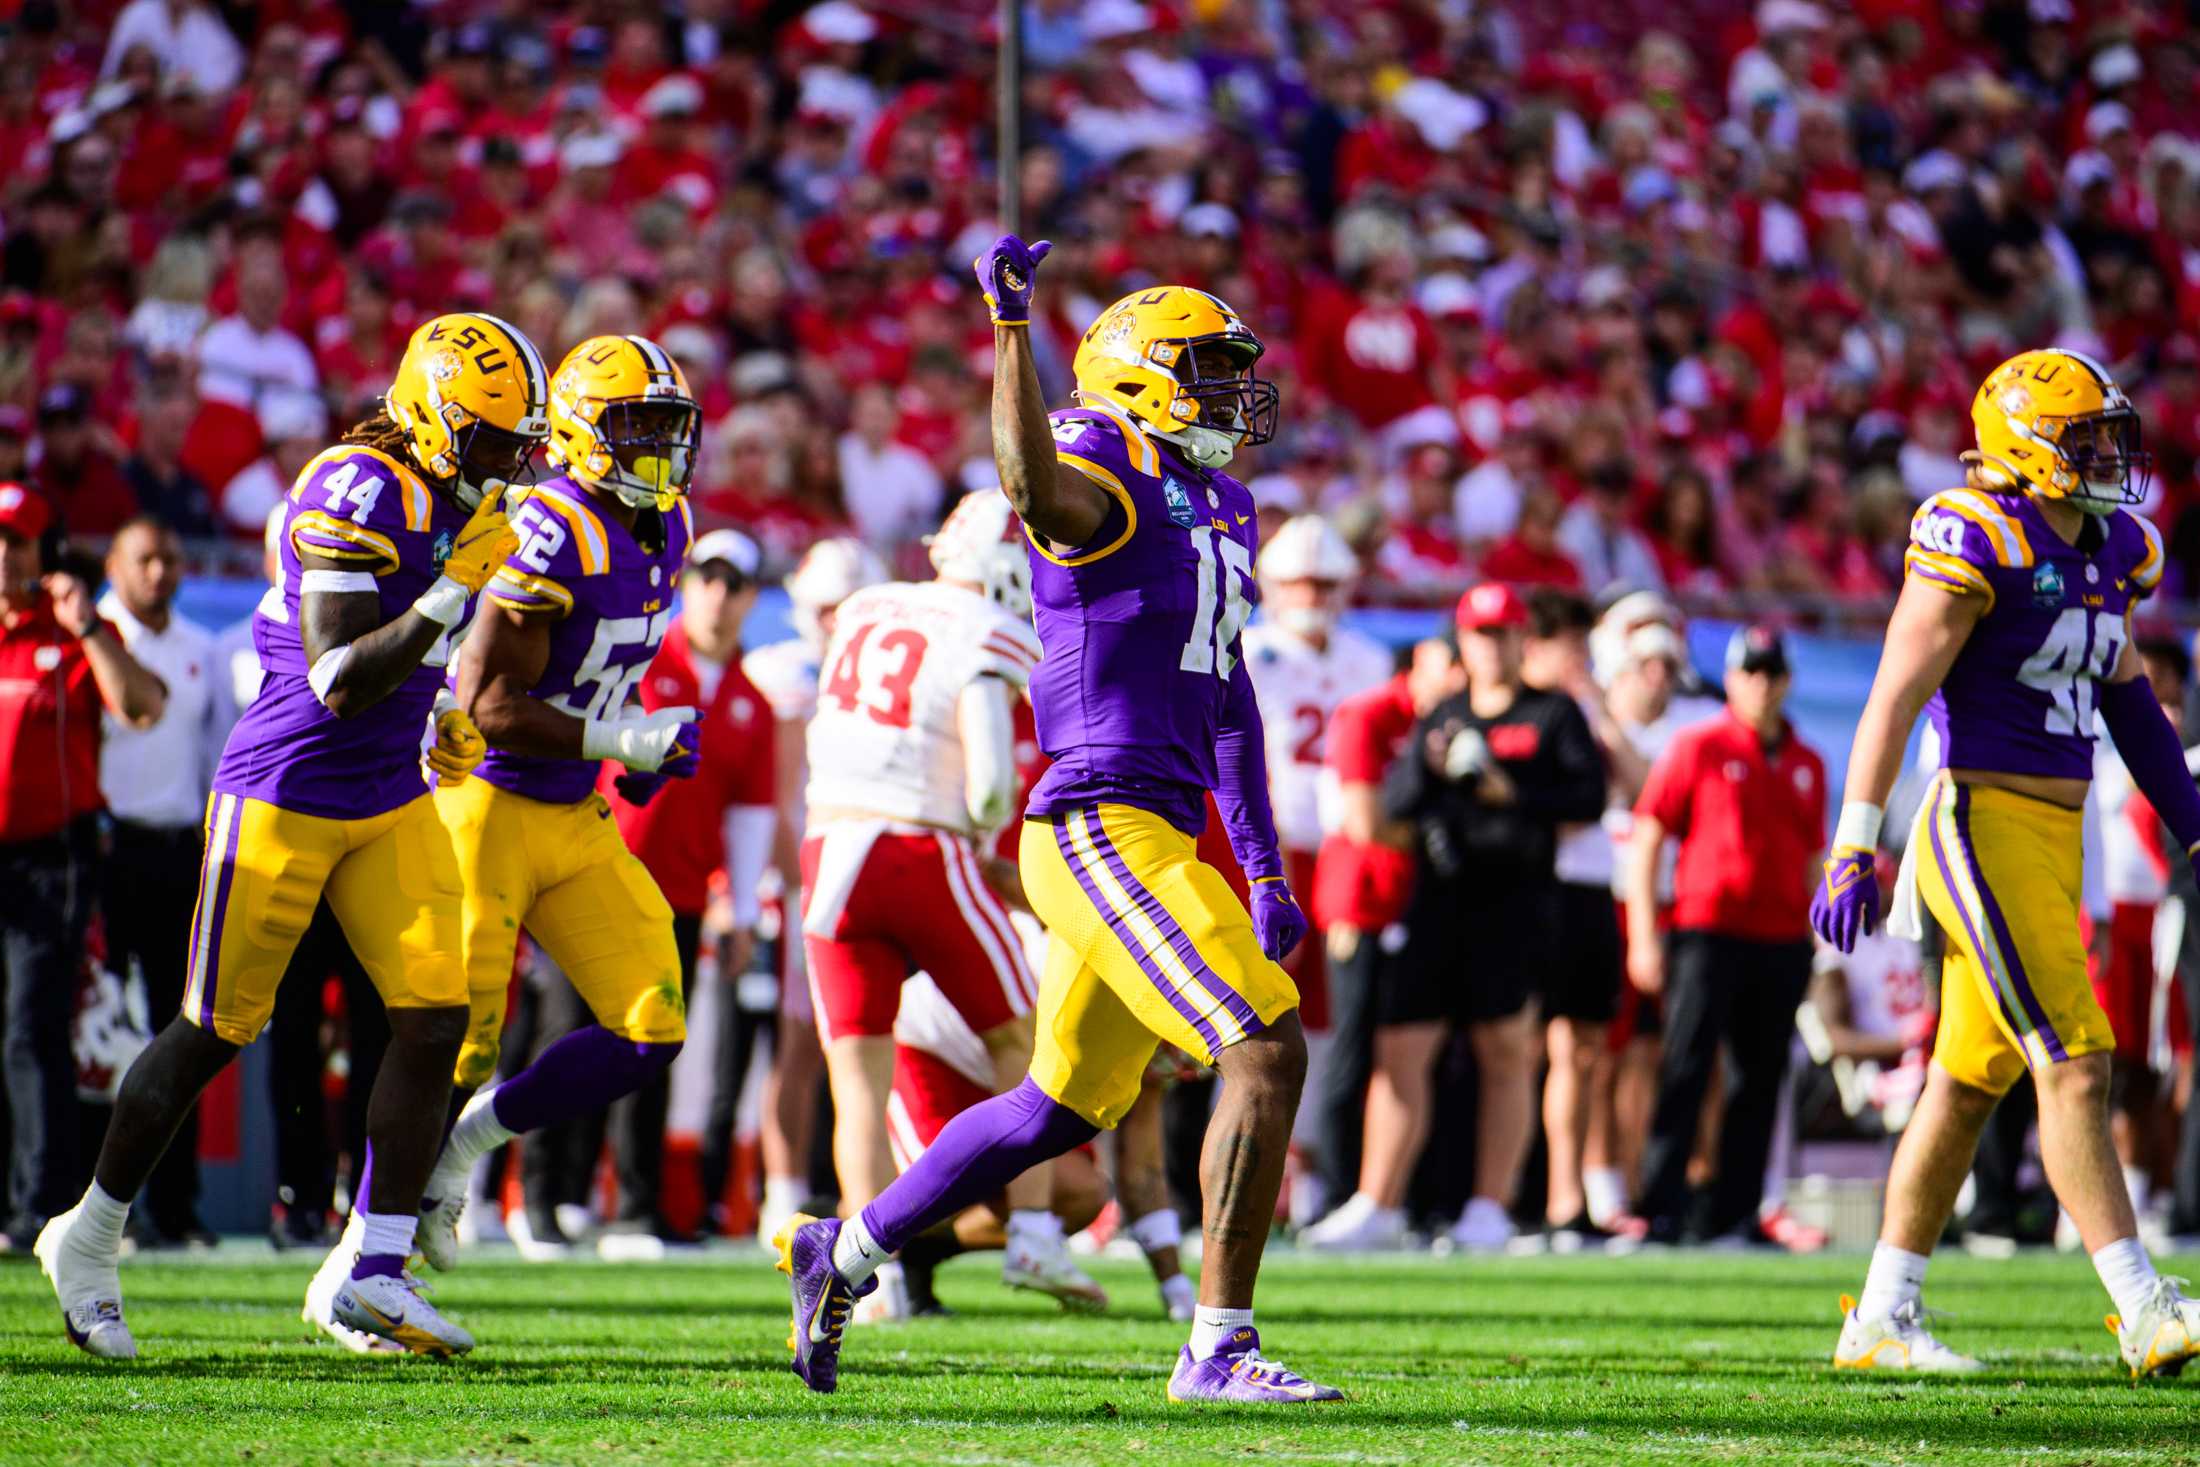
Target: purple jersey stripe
{"type": "Point", "coordinates": [2030, 1000]}
{"type": "Point", "coordinates": [1178, 938]}
{"type": "Point", "coordinates": [1948, 877]}
{"type": "Point", "coordinates": [222, 878]}
{"type": "Point", "coordinates": [1184, 1007]}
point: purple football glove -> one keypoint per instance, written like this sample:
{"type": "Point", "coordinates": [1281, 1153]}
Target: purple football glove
{"type": "Point", "coordinates": [1007, 273]}
{"type": "Point", "coordinates": [638, 787]}
{"type": "Point", "coordinates": [686, 754]}
{"type": "Point", "coordinates": [1278, 924]}
{"type": "Point", "coordinates": [1846, 904]}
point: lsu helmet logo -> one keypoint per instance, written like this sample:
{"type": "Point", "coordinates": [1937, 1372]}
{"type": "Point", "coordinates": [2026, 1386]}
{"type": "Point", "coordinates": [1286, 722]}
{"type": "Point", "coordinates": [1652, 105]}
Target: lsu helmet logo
{"type": "Point", "coordinates": [440, 551]}
{"type": "Point", "coordinates": [1181, 512]}
{"type": "Point", "coordinates": [2047, 587]}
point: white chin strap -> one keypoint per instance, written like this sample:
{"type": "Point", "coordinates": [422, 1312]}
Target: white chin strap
{"type": "Point", "coordinates": [469, 494]}
{"type": "Point", "coordinates": [1204, 446]}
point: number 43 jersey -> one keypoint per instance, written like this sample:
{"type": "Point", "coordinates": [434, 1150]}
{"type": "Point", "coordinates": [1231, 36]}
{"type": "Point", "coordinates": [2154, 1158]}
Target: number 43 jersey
{"type": "Point", "coordinates": [1141, 626]}
{"type": "Point", "coordinates": [885, 738]}
{"type": "Point", "coordinates": [612, 601]}
{"type": "Point", "coordinates": [2020, 697]}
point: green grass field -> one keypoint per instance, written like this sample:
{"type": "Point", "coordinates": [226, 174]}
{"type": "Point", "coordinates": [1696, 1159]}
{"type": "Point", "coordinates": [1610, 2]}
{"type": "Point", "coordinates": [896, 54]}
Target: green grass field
{"type": "Point", "coordinates": [1657, 1358]}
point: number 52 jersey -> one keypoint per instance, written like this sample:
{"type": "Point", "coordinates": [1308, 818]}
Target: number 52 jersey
{"type": "Point", "coordinates": [1140, 626]}
{"type": "Point", "coordinates": [2020, 697]}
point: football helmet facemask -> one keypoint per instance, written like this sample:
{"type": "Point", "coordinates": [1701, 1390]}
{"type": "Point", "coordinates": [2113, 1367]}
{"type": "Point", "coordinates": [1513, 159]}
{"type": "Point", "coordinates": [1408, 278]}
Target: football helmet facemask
{"type": "Point", "coordinates": [2053, 424]}
{"type": "Point", "coordinates": [622, 421]}
{"type": "Point", "coordinates": [470, 395]}
{"type": "Point", "coordinates": [1180, 361]}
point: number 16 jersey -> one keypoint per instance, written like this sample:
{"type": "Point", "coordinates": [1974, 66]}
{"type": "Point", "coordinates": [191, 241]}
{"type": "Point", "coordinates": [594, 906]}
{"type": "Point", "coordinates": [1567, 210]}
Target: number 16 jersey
{"type": "Point", "coordinates": [1140, 626]}
{"type": "Point", "coordinates": [2020, 698]}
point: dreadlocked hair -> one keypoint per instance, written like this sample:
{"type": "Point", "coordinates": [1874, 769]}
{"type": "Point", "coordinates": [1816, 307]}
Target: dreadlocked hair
{"type": "Point", "coordinates": [1982, 473]}
{"type": "Point", "coordinates": [378, 432]}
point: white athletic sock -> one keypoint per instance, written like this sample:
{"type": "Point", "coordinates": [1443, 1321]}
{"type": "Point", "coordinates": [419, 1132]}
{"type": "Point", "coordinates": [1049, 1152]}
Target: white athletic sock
{"type": "Point", "coordinates": [856, 1253]}
{"type": "Point", "coordinates": [1212, 1327]}
{"type": "Point", "coordinates": [1157, 1230]}
{"type": "Point", "coordinates": [2127, 1273]}
{"type": "Point", "coordinates": [386, 1235]}
{"type": "Point", "coordinates": [477, 1133]}
{"type": "Point", "coordinates": [784, 1195]}
{"type": "Point", "coordinates": [1177, 1293]}
{"type": "Point", "coordinates": [99, 1220]}
{"type": "Point", "coordinates": [1605, 1190]}
{"type": "Point", "coordinates": [1036, 1224]}
{"type": "Point", "coordinates": [2140, 1186]}
{"type": "Point", "coordinates": [1897, 1276]}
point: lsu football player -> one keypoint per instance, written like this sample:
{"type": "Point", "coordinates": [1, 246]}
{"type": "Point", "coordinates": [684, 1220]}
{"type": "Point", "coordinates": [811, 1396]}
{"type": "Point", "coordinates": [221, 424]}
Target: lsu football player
{"type": "Point", "coordinates": [2013, 633]}
{"type": "Point", "coordinates": [1142, 554]}
{"type": "Point", "coordinates": [549, 672]}
{"type": "Point", "coordinates": [319, 794]}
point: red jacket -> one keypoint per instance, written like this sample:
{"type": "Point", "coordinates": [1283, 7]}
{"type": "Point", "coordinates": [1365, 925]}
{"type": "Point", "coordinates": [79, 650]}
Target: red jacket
{"type": "Point", "coordinates": [1355, 885]}
{"type": "Point", "coordinates": [1750, 821]}
{"type": "Point", "coordinates": [49, 726]}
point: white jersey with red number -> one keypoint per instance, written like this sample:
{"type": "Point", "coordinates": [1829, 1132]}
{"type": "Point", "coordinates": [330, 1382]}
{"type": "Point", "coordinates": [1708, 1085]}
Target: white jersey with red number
{"type": "Point", "coordinates": [884, 739]}
{"type": "Point", "coordinates": [2134, 868]}
{"type": "Point", "coordinates": [1885, 976]}
{"type": "Point", "coordinates": [1298, 689]}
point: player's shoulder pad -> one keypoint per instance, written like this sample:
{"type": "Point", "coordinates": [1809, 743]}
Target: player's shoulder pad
{"type": "Point", "coordinates": [1102, 441]}
{"type": "Point", "coordinates": [785, 674]}
{"type": "Point", "coordinates": [353, 502]}
{"type": "Point", "coordinates": [1960, 536]}
{"type": "Point", "coordinates": [2141, 549]}
{"type": "Point", "coordinates": [561, 533]}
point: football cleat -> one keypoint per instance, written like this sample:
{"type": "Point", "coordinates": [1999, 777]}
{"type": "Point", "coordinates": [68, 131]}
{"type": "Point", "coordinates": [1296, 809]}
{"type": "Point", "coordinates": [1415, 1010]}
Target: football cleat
{"type": "Point", "coordinates": [1897, 1341]}
{"type": "Point", "coordinates": [1359, 1225]}
{"type": "Point", "coordinates": [2164, 1335]}
{"type": "Point", "coordinates": [89, 1288]}
{"type": "Point", "coordinates": [395, 1307]}
{"type": "Point", "coordinates": [538, 1237]}
{"type": "Point", "coordinates": [820, 1296]}
{"type": "Point", "coordinates": [1042, 1263]}
{"type": "Point", "coordinates": [319, 1309]}
{"type": "Point", "coordinates": [1237, 1373]}
{"type": "Point", "coordinates": [1484, 1227]}
{"type": "Point", "coordinates": [437, 1236]}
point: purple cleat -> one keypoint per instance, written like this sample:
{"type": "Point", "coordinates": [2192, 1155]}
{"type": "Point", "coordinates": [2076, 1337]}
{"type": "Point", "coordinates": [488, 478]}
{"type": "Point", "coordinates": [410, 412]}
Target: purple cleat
{"type": "Point", "coordinates": [1237, 1373]}
{"type": "Point", "coordinates": [822, 1298]}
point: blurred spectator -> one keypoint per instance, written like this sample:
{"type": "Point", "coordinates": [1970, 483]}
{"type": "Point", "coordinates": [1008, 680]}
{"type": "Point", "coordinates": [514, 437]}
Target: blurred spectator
{"type": "Point", "coordinates": [294, 428]}
{"type": "Point", "coordinates": [243, 357]}
{"type": "Point", "coordinates": [163, 487]}
{"type": "Point", "coordinates": [61, 667]}
{"type": "Point", "coordinates": [1419, 545]}
{"type": "Point", "coordinates": [1532, 555]}
{"type": "Point", "coordinates": [155, 779]}
{"type": "Point", "coordinates": [1598, 534]}
{"type": "Point", "coordinates": [1746, 798]}
{"type": "Point", "coordinates": [189, 37]}
{"type": "Point", "coordinates": [892, 494]}
{"type": "Point", "coordinates": [80, 479]}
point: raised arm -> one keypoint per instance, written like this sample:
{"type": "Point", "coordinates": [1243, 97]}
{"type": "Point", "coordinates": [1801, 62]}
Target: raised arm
{"type": "Point", "coordinates": [1053, 499]}
{"type": "Point", "coordinates": [128, 689]}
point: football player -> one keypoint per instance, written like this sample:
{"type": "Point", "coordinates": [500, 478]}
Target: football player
{"type": "Point", "coordinates": [912, 772]}
{"type": "Point", "coordinates": [549, 672]}
{"type": "Point", "coordinates": [1142, 567]}
{"type": "Point", "coordinates": [786, 673]}
{"type": "Point", "coordinates": [1303, 665]}
{"type": "Point", "coordinates": [2013, 631]}
{"type": "Point", "coordinates": [319, 794]}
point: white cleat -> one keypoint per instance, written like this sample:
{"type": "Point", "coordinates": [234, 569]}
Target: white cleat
{"type": "Point", "coordinates": [395, 1307]}
{"type": "Point", "coordinates": [889, 1302]}
{"type": "Point", "coordinates": [1042, 1263]}
{"type": "Point", "coordinates": [1178, 1299]}
{"type": "Point", "coordinates": [89, 1288]}
{"type": "Point", "coordinates": [1359, 1225]}
{"type": "Point", "coordinates": [319, 1309]}
{"type": "Point", "coordinates": [2164, 1335]}
{"type": "Point", "coordinates": [1483, 1228]}
{"type": "Point", "coordinates": [436, 1238]}
{"type": "Point", "coordinates": [1897, 1340]}
{"type": "Point", "coordinates": [531, 1248]}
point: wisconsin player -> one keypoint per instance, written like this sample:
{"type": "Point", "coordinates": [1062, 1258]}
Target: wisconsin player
{"type": "Point", "coordinates": [1142, 573]}
{"type": "Point", "coordinates": [549, 672]}
{"type": "Point", "coordinates": [2013, 631]}
{"type": "Point", "coordinates": [319, 794]}
{"type": "Point", "coordinates": [912, 771]}
{"type": "Point", "coordinates": [1304, 664]}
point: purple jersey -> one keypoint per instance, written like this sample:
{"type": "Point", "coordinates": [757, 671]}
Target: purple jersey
{"type": "Point", "coordinates": [611, 600]}
{"type": "Point", "coordinates": [1140, 626]}
{"type": "Point", "coordinates": [363, 509]}
{"type": "Point", "coordinates": [2020, 697]}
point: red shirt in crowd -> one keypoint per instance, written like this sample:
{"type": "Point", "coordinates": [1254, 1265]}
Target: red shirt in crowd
{"type": "Point", "coordinates": [1751, 822]}
{"type": "Point", "coordinates": [49, 725]}
{"type": "Point", "coordinates": [681, 835]}
{"type": "Point", "coordinates": [1356, 885]}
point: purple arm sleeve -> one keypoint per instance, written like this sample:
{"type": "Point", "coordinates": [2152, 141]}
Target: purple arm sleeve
{"type": "Point", "coordinates": [1241, 782]}
{"type": "Point", "coordinates": [2151, 752]}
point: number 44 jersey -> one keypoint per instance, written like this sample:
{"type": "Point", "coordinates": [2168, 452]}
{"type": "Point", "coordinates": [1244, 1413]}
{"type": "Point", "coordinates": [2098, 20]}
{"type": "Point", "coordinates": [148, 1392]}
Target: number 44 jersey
{"type": "Point", "coordinates": [611, 598]}
{"type": "Point", "coordinates": [1141, 626]}
{"type": "Point", "coordinates": [2020, 697]}
{"type": "Point", "coordinates": [885, 740]}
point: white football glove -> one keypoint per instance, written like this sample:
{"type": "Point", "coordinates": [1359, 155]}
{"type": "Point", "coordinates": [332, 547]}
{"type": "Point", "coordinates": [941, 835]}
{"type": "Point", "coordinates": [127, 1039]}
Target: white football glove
{"type": "Point", "coordinates": [636, 739]}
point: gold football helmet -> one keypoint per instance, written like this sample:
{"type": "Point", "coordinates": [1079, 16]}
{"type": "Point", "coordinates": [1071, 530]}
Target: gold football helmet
{"type": "Point", "coordinates": [1180, 361]}
{"type": "Point", "coordinates": [2053, 424]}
{"type": "Point", "coordinates": [469, 395]}
{"type": "Point", "coordinates": [622, 421]}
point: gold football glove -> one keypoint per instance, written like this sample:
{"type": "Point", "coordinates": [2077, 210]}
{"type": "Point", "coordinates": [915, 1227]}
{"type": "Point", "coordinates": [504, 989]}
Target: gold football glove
{"type": "Point", "coordinates": [458, 747]}
{"type": "Point", "coordinates": [483, 544]}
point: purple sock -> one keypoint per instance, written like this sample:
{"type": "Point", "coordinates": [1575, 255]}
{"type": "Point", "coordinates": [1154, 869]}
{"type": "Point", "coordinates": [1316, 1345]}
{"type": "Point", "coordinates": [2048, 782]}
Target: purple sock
{"type": "Point", "coordinates": [585, 1071]}
{"type": "Point", "coordinates": [371, 1265]}
{"type": "Point", "coordinates": [976, 1154]}
{"type": "Point", "coordinates": [360, 1194]}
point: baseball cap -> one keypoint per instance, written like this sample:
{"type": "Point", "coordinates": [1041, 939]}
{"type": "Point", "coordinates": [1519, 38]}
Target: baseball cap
{"type": "Point", "coordinates": [730, 547]}
{"type": "Point", "coordinates": [1757, 648]}
{"type": "Point", "coordinates": [1489, 606]}
{"type": "Point", "coordinates": [23, 511]}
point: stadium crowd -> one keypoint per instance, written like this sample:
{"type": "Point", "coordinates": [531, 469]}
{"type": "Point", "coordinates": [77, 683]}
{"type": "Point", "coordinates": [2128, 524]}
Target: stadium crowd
{"type": "Point", "coordinates": [1668, 300]}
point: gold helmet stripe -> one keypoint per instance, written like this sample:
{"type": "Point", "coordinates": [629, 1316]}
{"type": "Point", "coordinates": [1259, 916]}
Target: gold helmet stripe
{"type": "Point", "coordinates": [531, 367]}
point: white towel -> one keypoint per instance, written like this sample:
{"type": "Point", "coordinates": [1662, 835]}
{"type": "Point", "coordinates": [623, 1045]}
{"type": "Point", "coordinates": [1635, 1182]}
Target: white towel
{"type": "Point", "coordinates": [1906, 911]}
